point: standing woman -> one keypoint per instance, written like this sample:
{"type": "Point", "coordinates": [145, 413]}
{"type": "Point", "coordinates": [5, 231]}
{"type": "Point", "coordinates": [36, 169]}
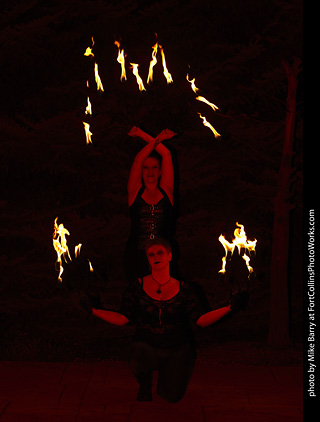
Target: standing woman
{"type": "Point", "coordinates": [151, 203]}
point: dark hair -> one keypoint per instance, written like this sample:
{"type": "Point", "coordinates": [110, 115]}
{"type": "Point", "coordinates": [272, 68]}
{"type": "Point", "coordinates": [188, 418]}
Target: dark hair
{"type": "Point", "coordinates": [158, 241]}
{"type": "Point", "coordinates": [156, 155]}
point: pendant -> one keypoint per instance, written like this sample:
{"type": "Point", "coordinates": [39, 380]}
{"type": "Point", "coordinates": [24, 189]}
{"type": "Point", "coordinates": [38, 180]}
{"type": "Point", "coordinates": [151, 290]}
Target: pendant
{"type": "Point", "coordinates": [159, 290]}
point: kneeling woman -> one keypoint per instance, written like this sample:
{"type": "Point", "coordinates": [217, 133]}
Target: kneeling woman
{"type": "Point", "coordinates": [162, 308]}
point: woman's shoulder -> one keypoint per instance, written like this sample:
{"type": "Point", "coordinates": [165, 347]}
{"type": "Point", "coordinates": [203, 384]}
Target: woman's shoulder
{"type": "Point", "coordinates": [166, 196]}
{"type": "Point", "coordinates": [135, 196]}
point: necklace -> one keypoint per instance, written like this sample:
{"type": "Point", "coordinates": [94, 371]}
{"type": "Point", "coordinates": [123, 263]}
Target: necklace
{"type": "Point", "coordinates": [159, 284]}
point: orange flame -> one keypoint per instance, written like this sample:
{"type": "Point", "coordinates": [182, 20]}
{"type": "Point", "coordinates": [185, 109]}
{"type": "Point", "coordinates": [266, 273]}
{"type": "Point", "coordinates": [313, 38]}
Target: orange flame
{"type": "Point", "coordinates": [120, 59]}
{"type": "Point", "coordinates": [165, 70]}
{"type": "Point", "coordinates": [193, 86]}
{"type": "Point", "coordinates": [97, 78]}
{"type": "Point", "coordinates": [240, 241]}
{"type": "Point", "coordinates": [153, 62]}
{"type": "Point", "coordinates": [204, 100]}
{"type": "Point", "coordinates": [60, 246]}
{"type": "Point", "coordinates": [90, 266]}
{"type": "Point", "coordinates": [88, 108]}
{"type": "Point", "coordinates": [87, 132]}
{"type": "Point", "coordinates": [207, 124]}
{"type": "Point", "coordinates": [77, 250]}
{"type": "Point", "coordinates": [88, 51]}
{"type": "Point", "coordinates": [136, 74]}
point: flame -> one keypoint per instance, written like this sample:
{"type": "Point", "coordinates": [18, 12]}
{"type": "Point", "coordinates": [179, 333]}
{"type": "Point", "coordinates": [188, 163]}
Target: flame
{"type": "Point", "coordinates": [136, 74]}
{"type": "Point", "coordinates": [88, 108]}
{"type": "Point", "coordinates": [120, 59]}
{"type": "Point", "coordinates": [165, 70]}
{"type": "Point", "coordinates": [90, 266]}
{"type": "Point", "coordinates": [240, 241]}
{"type": "Point", "coordinates": [193, 86]}
{"type": "Point", "coordinates": [204, 100]}
{"type": "Point", "coordinates": [97, 78]}
{"type": "Point", "coordinates": [88, 51]}
{"type": "Point", "coordinates": [60, 246]}
{"type": "Point", "coordinates": [207, 124]}
{"type": "Point", "coordinates": [77, 250]}
{"type": "Point", "coordinates": [153, 62]}
{"type": "Point", "coordinates": [87, 132]}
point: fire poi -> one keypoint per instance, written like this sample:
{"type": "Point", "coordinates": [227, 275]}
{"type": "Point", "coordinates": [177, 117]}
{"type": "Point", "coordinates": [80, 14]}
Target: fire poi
{"type": "Point", "coordinates": [136, 74]}
{"type": "Point", "coordinates": [204, 100]}
{"type": "Point", "coordinates": [153, 62]}
{"type": "Point", "coordinates": [134, 66]}
{"type": "Point", "coordinates": [87, 132]}
{"type": "Point", "coordinates": [165, 69]}
{"type": "Point", "coordinates": [121, 60]}
{"type": "Point", "coordinates": [88, 51]}
{"type": "Point", "coordinates": [242, 243]}
{"type": "Point", "coordinates": [89, 107]}
{"type": "Point", "coordinates": [97, 78]}
{"type": "Point", "coordinates": [60, 246]}
{"type": "Point", "coordinates": [209, 125]}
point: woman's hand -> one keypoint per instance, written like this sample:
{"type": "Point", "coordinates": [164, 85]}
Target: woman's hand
{"type": "Point", "coordinates": [134, 131]}
{"type": "Point", "coordinates": [166, 134]}
{"type": "Point", "coordinates": [239, 301]}
{"type": "Point", "coordinates": [89, 301]}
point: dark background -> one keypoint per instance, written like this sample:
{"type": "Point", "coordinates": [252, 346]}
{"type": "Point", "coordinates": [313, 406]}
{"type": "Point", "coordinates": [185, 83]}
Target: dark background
{"type": "Point", "coordinates": [235, 50]}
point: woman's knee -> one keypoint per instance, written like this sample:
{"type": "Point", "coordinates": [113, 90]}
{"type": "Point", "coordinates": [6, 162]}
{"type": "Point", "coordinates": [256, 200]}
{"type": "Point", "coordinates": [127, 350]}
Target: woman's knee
{"type": "Point", "coordinates": [141, 358]}
{"type": "Point", "coordinates": [171, 397]}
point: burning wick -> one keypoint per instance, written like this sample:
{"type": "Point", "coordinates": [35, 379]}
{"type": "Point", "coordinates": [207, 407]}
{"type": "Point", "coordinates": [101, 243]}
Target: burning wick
{"type": "Point", "coordinates": [90, 266]}
{"type": "Point", "coordinates": [240, 241]}
{"type": "Point", "coordinates": [97, 78]}
{"type": "Point", "coordinates": [207, 124]}
{"type": "Point", "coordinates": [121, 60]}
{"type": "Point", "coordinates": [165, 70]}
{"type": "Point", "coordinates": [60, 246]}
{"type": "Point", "coordinates": [88, 51]}
{"type": "Point", "coordinates": [193, 86]}
{"type": "Point", "coordinates": [77, 250]}
{"type": "Point", "coordinates": [152, 63]}
{"type": "Point", "coordinates": [204, 100]}
{"type": "Point", "coordinates": [87, 132]}
{"type": "Point", "coordinates": [136, 74]}
{"type": "Point", "coordinates": [88, 108]}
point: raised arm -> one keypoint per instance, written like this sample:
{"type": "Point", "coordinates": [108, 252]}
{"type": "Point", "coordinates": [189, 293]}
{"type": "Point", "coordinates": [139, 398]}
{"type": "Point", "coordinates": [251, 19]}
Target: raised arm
{"type": "Point", "coordinates": [112, 317]}
{"type": "Point", "coordinates": [134, 180]}
{"type": "Point", "coordinates": [167, 172]}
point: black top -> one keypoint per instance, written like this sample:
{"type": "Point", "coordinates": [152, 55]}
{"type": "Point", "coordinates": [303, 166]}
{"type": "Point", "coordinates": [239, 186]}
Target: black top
{"type": "Point", "coordinates": [162, 323]}
{"type": "Point", "coordinates": [150, 221]}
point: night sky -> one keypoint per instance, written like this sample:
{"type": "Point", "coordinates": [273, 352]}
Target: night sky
{"type": "Point", "coordinates": [234, 50]}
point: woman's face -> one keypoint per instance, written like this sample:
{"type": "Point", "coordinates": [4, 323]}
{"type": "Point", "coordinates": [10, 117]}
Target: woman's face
{"type": "Point", "coordinates": [158, 257]}
{"type": "Point", "coordinates": [151, 171]}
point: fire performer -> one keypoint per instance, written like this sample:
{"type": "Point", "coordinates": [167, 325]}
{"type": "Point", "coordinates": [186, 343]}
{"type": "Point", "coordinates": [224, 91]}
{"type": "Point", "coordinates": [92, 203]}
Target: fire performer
{"type": "Point", "coordinates": [161, 307]}
{"type": "Point", "coordinates": [151, 202]}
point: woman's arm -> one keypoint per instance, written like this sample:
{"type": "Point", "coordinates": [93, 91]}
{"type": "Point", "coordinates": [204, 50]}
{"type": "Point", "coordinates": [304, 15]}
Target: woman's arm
{"type": "Point", "coordinates": [167, 172]}
{"type": "Point", "coordinates": [110, 316]}
{"type": "Point", "coordinates": [134, 180]}
{"type": "Point", "coordinates": [211, 317]}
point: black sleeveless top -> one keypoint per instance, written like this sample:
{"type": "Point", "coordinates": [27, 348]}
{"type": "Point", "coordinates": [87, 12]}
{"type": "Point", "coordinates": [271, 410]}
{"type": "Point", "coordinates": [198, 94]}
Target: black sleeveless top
{"type": "Point", "coordinates": [162, 323]}
{"type": "Point", "coordinates": [150, 221]}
